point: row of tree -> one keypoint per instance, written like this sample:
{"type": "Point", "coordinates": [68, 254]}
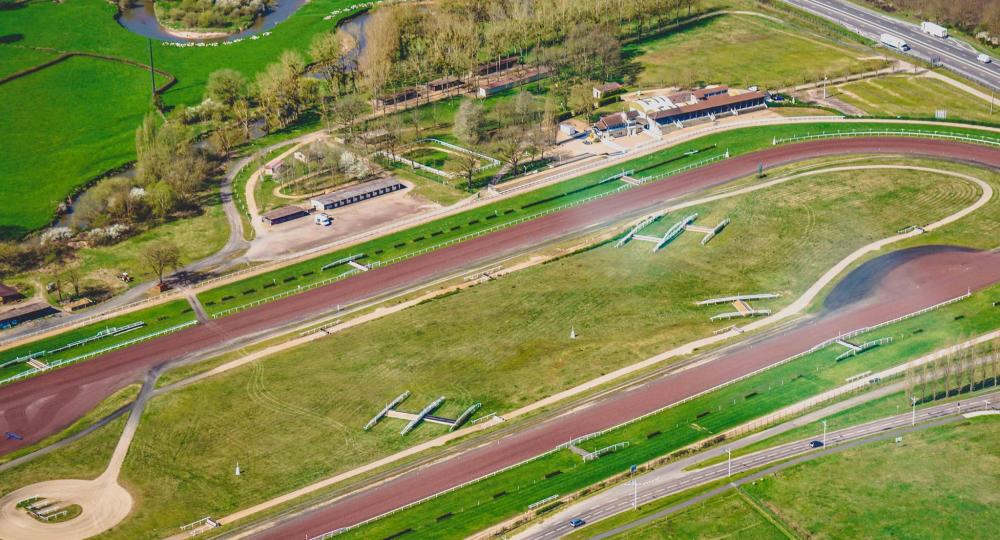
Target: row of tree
{"type": "Point", "coordinates": [966, 370]}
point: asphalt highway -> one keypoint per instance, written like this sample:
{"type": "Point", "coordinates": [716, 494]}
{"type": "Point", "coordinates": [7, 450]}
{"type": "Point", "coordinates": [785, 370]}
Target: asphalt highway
{"type": "Point", "coordinates": [668, 481]}
{"type": "Point", "coordinates": [956, 56]}
{"type": "Point", "coordinates": [918, 282]}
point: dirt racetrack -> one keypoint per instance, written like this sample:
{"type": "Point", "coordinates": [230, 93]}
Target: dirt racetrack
{"type": "Point", "coordinates": [43, 405]}
{"type": "Point", "coordinates": [922, 280]}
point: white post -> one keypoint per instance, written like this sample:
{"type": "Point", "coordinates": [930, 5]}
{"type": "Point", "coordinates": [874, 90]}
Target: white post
{"type": "Point", "coordinates": [824, 432]}
{"type": "Point", "coordinates": [729, 470]}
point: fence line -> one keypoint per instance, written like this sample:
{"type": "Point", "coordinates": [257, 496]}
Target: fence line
{"type": "Point", "coordinates": [58, 363]}
{"type": "Point", "coordinates": [902, 132]}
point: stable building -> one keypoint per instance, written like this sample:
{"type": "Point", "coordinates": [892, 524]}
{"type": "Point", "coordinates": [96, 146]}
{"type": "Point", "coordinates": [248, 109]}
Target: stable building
{"type": "Point", "coordinates": [30, 312]}
{"type": "Point", "coordinates": [500, 64]}
{"type": "Point", "coordinates": [710, 108]}
{"type": "Point", "coordinates": [9, 294]}
{"type": "Point", "coordinates": [399, 97]}
{"type": "Point", "coordinates": [618, 124]}
{"type": "Point", "coordinates": [284, 214]}
{"type": "Point", "coordinates": [363, 192]}
{"type": "Point", "coordinates": [444, 83]}
{"type": "Point", "coordinates": [606, 90]}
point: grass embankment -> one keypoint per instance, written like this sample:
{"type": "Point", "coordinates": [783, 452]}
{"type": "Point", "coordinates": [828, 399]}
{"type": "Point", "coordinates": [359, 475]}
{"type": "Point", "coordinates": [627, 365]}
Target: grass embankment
{"type": "Point", "coordinates": [85, 459]}
{"type": "Point", "coordinates": [403, 243]}
{"type": "Point", "coordinates": [474, 508]}
{"type": "Point", "coordinates": [503, 344]}
{"type": "Point", "coordinates": [938, 483]}
{"type": "Point", "coordinates": [738, 50]}
{"type": "Point", "coordinates": [157, 318]}
{"type": "Point", "coordinates": [62, 127]}
{"type": "Point", "coordinates": [73, 121]}
{"type": "Point", "coordinates": [915, 97]}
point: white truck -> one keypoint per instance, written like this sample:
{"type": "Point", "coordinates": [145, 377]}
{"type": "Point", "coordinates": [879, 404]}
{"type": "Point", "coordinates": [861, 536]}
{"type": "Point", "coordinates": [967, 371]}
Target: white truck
{"type": "Point", "coordinates": [890, 40]}
{"type": "Point", "coordinates": [935, 30]}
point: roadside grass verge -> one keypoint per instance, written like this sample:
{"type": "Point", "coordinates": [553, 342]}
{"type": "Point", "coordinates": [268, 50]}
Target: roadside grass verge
{"type": "Point", "coordinates": [866, 412]}
{"type": "Point", "coordinates": [657, 435]}
{"type": "Point", "coordinates": [739, 50]}
{"type": "Point", "coordinates": [156, 319]}
{"type": "Point", "coordinates": [503, 343]}
{"type": "Point", "coordinates": [61, 130]}
{"type": "Point", "coordinates": [938, 483]}
{"type": "Point", "coordinates": [914, 97]}
{"type": "Point", "coordinates": [299, 276]}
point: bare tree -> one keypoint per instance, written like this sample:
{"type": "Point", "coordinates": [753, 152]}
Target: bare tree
{"type": "Point", "coordinates": [160, 256]}
{"type": "Point", "coordinates": [468, 164]}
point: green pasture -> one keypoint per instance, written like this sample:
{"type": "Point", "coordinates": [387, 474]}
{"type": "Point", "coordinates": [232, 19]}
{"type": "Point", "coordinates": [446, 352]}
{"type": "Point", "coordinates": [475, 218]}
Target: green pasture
{"type": "Point", "coordinates": [919, 97]}
{"type": "Point", "coordinates": [738, 50]}
{"type": "Point", "coordinates": [72, 122]}
{"type": "Point", "coordinates": [625, 304]}
{"type": "Point", "coordinates": [723, 516]}
{"type": "Point", "coordinates": [63, 126]}
{"type": "Point", "coordinates": [16, 58]}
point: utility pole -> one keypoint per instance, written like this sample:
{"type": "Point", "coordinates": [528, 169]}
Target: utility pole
{"type": "Point", "coordinates": [913, 418]}
{"type": "Point", "coordinates": [729, 470]}
{"type": "Point", "coordinates": [992, 92]}
{"type": "Point", "coordinates": [152, 71]}
{"type": "Point", "coordinates": [824, 433]}
{"type": "Point", "coordinates": [635, 494]}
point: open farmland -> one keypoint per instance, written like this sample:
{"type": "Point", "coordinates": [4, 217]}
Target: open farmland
{"type": "Point", "coordinates": [606, 293]}
{"type": "Point", "coordinates": [62, 128]}
{"type": "Point", "coordinates": [919, 97]}
{"type": "Point", "coordinates": [73, 121]}
{"type": "Point", "coordinates": [739, 50]}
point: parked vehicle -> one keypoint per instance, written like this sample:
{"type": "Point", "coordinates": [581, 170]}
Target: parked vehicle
{"type": "Point", "coordinates": [935, 30]}
{"type": "Point", "coordinates": [815, 444]}
{"type": "Point", "coordinates": [323, 219]}
{"type": "Point", "coordinates": [576, 522]}
{"type": "Point", "coordinates": [984, 58]}
{"type": "Point", "coordinates": [894, 42]}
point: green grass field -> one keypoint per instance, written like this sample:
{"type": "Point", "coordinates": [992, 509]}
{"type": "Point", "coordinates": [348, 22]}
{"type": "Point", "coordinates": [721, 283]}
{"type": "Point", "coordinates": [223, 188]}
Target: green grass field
{"type": "Point", "coordinates": [726, 516]}
{"type": "Point", "coordinates": [69, 123]}
{"type": "Point", "coordinates": [938, 483]}
{"type": "Point", "coordinates": [62, 127]}
{"type": "Point", "coordinates": [608, 295]}
{"type": "Point", "coordinates": [915, 97]}
{"type": "Point", "coordinates": [157, 318]}
{"type": "Point", "coordinates": [739, 50]}
{"type": "Point", "coordinates": [16, 59]}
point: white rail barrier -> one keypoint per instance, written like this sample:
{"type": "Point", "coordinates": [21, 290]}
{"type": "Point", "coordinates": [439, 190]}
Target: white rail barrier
{"type": "Point", "coordinates": [902, 132]}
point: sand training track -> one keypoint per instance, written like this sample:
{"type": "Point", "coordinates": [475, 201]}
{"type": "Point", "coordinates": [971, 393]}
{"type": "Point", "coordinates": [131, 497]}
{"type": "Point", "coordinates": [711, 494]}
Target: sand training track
{"type": "Point", "coordinates": [43, 405]}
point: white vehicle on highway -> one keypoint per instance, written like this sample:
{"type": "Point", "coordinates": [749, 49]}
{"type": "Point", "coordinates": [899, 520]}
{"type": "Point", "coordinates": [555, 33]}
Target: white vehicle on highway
{"type": "Point", "coordinates": [984, 58]}
{"type": "Point", "coordinates": [935, 30]}
{"type": "Point", "coordinates": [323, 219]}
{"type": "Point", "coordinates": [890, 40]}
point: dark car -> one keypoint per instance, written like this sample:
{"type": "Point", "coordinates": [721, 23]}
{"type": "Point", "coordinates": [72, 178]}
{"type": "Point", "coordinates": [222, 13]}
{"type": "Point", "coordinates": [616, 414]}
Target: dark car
{"type": "Point", "coordinates": [815, 444]}
{"type": "Point", "coordinates": [577, 522]}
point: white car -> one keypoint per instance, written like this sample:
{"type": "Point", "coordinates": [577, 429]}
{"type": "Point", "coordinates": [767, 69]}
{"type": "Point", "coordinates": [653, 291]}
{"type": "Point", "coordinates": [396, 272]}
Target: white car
{"type": "Point", "coordinates": [984, 58]}
{"type": "Point", "coordinates": [323, 219]}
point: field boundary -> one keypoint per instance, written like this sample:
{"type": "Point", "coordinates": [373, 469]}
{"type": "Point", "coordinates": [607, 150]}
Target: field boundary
{"type": "Point", "coordinates": [63, 56]}
{"type": "Point", "coordinates": [991, 141]}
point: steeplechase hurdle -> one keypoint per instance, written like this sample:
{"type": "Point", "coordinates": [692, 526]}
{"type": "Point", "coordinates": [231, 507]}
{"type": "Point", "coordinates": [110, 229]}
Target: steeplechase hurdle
{"type": "Point", "coordinates": [686, 224]}
{"type": "Point", "coordinates": [415, 419]}
{"type": "Point", "coordinates": [854, 350]}
{"type": "Point", "coordinates": [742, 304]}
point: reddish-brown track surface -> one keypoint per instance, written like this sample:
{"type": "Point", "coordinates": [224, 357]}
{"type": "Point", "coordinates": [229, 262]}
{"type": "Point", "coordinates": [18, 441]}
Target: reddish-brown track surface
{"type": "Point", "coordinates": [43, 405]}
{"type": "Point", "coordinates": [919, 282]}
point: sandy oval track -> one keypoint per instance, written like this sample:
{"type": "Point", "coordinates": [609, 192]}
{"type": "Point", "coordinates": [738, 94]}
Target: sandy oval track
{"type": "Point", "coordinates": [104, 502]}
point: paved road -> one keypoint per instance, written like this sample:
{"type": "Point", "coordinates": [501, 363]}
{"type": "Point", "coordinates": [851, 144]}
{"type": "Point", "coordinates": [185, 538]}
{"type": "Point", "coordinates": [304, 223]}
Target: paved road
{"type": "Point", "coordinates": [674, 478]}
{"type": "Point", "coordinates": [953, 54]}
